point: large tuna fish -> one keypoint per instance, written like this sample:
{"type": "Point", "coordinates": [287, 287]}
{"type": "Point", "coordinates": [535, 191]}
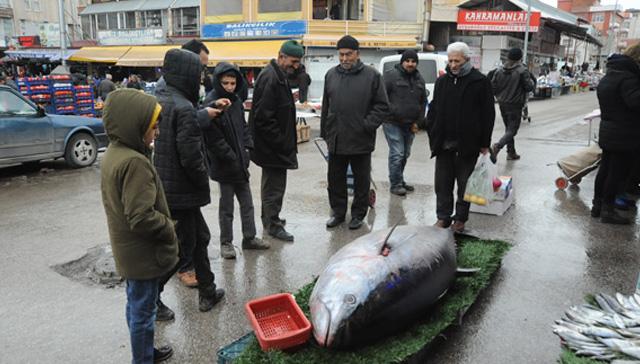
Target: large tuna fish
{"type": "Point", "coordinates": [380, 283]}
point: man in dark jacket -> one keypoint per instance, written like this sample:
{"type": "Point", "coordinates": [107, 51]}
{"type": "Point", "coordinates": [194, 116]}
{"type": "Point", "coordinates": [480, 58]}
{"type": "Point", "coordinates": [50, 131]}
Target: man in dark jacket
{"type": "Point", "coordinates": [181, 163]}
{"type": "Point", "coordinates": [511, 84]}
{"type": "Point", "coordinates": [301, 80]}
{"type": "Point", "coordinates": [619, 137]}
{"type": "Point", "coordinates": [143, 239]}
{"type": "Point", "coordinates": [272, 121]}
{"type": "Point", "coordinates": [105, 87]}
{"type": "Point", "coordinates": [459, 124]}
{"type": "Point", "coordinates": [228, 143]}
{"type": "Point", "coordinates": [186, 272]}
{"type": "Point", "coordinates": [353, 107]}
{"type": "Point", "coordinates": [407, 103]}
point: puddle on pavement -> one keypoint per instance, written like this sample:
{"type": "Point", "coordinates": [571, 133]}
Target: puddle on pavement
{"type": "Point", "coordinates": [95, 268]}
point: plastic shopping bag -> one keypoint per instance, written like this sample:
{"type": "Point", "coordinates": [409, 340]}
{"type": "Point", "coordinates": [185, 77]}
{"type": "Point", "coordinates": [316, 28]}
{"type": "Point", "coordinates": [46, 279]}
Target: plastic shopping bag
{"type": "Point", "coordinates": [480, 184]}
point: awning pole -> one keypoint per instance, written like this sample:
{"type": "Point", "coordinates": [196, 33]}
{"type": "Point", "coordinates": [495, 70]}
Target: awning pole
{"type": "Point", "coordinates": [526, 33]}
{"type": "Point", "coordinates": [63, 38]}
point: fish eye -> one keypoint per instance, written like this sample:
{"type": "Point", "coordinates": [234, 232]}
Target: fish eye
{"type": "Point", "coordinates": [350, 299]}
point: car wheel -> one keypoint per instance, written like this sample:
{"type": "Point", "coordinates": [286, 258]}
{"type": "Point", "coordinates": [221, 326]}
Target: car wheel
{"type": "Point", "coordinates": [82, 151]}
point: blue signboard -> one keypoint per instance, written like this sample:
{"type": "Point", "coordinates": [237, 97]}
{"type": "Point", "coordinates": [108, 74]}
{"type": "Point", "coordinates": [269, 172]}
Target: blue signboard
{"type": "Point", "coordinates": [268, 29]}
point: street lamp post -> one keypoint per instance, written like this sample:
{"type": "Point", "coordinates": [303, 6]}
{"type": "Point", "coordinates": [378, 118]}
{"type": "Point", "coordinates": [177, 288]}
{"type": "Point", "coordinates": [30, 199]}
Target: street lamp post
{"type": "Point", "coordinates": [526, 33]}
{"type": "Point", "coordinates": [63, 32]}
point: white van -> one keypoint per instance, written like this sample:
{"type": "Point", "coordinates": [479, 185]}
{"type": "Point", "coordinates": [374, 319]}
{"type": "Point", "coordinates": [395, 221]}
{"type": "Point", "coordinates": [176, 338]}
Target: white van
{"type": "Point", "coordinates": [430, 65]}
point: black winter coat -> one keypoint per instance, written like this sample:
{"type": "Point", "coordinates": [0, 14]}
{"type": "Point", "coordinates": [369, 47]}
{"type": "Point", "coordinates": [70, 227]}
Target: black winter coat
{"type": "Point", "coordinates": [353, 107]}
{"type": "Point", "coordinates": [179, 150]}
{"type": "Point", "coordinates": [228, 140]}
{"type": "Point", "coordinates": [619, 97]}
{"type": "Point", "coordinates": [272, 121]}
{"type": "Point", "coordinates": [407, 95]}
{"type": "Point", "coordinates": [475, 113]}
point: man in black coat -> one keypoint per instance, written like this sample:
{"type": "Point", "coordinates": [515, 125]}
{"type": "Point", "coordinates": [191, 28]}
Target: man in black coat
{"type": "Point", "coordinates": [511, 84]}
{"type": "Point", "coordinates": [353, 107]}
{"type": "Point", "coordinates": [228, 143]}
{"type": "Point", "coordinates": [459, 124]}
{"type": "Point", "coordinates": [619, 136]}
{"type": "Point", "coordinates": [272, 121]}
{"type": "Point", "coordinates": [407, 103]}
{"type": "Point", "coordinates": [181, 164]}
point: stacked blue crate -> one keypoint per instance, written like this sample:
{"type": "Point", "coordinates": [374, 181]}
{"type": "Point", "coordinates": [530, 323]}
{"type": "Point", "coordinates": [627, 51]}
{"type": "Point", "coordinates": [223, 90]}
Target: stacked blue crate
{"type": "Point", "coordinates": [37, 89]}
{"type": "Point", "coordinates": [63, 96]}
{"type": "Point", "coordinates": [84, 102]}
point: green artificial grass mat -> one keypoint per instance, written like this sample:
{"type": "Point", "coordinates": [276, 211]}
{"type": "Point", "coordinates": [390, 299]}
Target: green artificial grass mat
{"type": "Point", "coordinates": [569, 357]}
{"type": "Point", "coordinates": [472, 253]}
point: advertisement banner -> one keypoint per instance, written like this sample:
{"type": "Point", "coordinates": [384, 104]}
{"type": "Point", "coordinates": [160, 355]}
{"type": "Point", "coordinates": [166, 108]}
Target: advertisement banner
{"type": "Point", "coordinates": [131, 37]}
{"type": "Point", "coordinates": [497, 21]}
{"type": "Point", "coordinates": [255, 30]}
{"type": "Point", "coordinates": [49, 35]}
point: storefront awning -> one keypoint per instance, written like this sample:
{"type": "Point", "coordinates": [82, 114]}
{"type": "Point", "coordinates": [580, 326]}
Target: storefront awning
{"type": "Point", "coordinates": [243, 53]}
{"type": "Point", "coordinates": [48, 54]}
{"type": "Point", "coordinates": [185, 4]}
{"type": "Point", "coordinates": [112, 7]}
{"type": "Point", "coordinates": [99, 54]}
{"type": "Point", "coordinates": [156, 5]}
{"type": "Point", "coordinates": [369, 41]}
{"type": "Point", "coordinates": [145, 56]}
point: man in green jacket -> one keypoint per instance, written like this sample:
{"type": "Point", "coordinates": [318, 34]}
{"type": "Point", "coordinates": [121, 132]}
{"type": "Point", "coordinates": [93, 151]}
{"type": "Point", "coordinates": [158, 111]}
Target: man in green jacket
{"type": "Point", "coordinates": [143, 239]}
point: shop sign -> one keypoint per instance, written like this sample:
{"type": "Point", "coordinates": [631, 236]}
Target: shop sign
{"type": "Point", "coordinates": [497, 21]}
{"type": "Point", "coordinates": [268, 29]}
{"type": "Point", "coordinates": [49, 35]}
{"type": "Point", "coordinates": [29, 40]}
{"type": "Point", "coordinates": [131, 37]}
{"type": "Point", "coordinates": [395, 44]}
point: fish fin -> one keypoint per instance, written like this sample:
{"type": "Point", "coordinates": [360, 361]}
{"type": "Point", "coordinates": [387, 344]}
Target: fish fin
{"type": "Point", "coordinates": [384, 250]}
{"type": "Point", "coordinates": [466, 272]}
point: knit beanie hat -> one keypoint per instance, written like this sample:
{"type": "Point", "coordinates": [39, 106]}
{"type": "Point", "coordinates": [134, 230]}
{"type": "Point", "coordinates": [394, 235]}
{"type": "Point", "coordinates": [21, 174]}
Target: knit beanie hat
{"type": "Point", "coordinates": [515, 54]}
{"type": "Point", "coordinates": [348, 42]}
{"type": "Point", "coordinates": [409, 54]}
{"type": "Point", "coordinates": [292, 48]}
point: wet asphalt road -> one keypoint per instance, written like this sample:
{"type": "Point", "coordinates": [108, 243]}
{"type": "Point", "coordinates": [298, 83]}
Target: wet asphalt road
{"type": "Point", "coordinates": [559, 255]}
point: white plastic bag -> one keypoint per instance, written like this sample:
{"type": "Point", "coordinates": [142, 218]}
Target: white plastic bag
{"type": "Point", "coordinates": [480, 184]}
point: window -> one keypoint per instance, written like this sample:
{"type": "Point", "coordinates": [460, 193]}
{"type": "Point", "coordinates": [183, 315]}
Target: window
{"type": "Point", "coordinates": [223, 7]}
{"type": "Point", "coordinates": [87, 30]}
{"type": "Point", "coordinates": [320, 9]}
{"type": "Point", "coordinates": [112, 21]}
{"type": "Point", "coordinates": [102, 21]}
{"type": "Point", "coordinates": [152, 18]}
{"type": "Point", "coordinates": [27, 4]}
{"type": "Point", "coordinates": [14, 105]}
{"type": "Point", "coordinates": [186, 22]}
{"type": "Point", "coordinates": [130, 20]}
{"type": "Point", "coordinates": [395, 10]}
{"type": "Point", "coordinates": [5, 3]}
{"type": "Point", "coordinates": [35, 5]}
{"type": "Point", "coordinates": [279, 6]}
{"type": "Point", "coordinates": [597, 18]}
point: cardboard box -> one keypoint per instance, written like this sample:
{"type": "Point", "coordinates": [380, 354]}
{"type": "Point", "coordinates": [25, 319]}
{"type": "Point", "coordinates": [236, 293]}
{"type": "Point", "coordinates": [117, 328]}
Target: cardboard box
{"type": "Point", "coordinates": [501, 202]}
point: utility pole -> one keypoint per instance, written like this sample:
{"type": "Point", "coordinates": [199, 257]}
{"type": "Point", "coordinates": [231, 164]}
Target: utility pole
{"type": "Point", "coordinates": [426, 23]}
{"type": "Point", "coordinates": [63, 33]}
{"type": "Point", "coordinates": [526, 34]}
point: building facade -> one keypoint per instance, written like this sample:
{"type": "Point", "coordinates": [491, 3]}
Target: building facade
{"type": "Point", "coordinates": [36, 23]}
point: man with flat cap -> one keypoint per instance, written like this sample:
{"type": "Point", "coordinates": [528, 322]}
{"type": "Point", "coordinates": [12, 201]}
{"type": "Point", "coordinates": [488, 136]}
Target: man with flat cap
{"type": "Point", "coordinates": [272, 122]}
{"type": "Point", "coordinates": [354, 105]}
{"type": "Point", "coordinates": [407, 103]}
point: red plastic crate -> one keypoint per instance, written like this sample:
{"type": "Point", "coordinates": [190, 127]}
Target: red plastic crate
{"type": "Point", "coordinates": [278, 321]}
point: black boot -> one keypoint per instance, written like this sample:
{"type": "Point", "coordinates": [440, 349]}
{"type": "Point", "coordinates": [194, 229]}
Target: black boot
{"type": "Point", "coordinates": [610, 216]}
{"type": "Point", "coordinates": [597, 206]}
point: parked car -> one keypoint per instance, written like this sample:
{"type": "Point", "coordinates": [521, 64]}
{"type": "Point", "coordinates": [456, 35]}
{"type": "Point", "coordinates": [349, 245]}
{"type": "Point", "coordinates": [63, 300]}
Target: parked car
{"type": "Point", "coordinates": [430, 65]}
{"type": "Point", "coordinates": [28, 134]}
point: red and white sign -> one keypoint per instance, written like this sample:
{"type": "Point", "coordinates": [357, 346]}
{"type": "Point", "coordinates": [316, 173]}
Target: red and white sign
{"type": "Point", "coordinates": [497, 21]}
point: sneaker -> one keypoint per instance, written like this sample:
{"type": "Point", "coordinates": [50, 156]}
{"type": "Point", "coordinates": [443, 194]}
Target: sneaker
{"type": "Point", "coordinates": [255, 244]}
{"type": "Point", "coordinates": [444, 224]}
{"type": "Point", "coordinates": [162, 353]}
{"type": "Point", "coordinates": [227, 251]}
{"type": "Point", "coordinates": [355, 224]}
{"type": "Point", "coordinates": [407, 187]}
{"type": "Point", "coordinates": [513, 156]}
{"type": "Point", "coordinates": [163, 313]}
{"type": "Point", "coordinates": [188, 278]}
{"type": "Point", "coordinates": [206, 303]}
{"type": "Point", "coordinates": [457, 227]}
{"type": "Point", "coordinates": [399, 191]}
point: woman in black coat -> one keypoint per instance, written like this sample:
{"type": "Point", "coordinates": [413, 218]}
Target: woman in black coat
{"type": "Point", "coordinates": [619, 137]}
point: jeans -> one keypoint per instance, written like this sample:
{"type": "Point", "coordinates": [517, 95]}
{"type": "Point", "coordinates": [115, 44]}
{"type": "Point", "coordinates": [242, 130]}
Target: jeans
{"type": "Point", "coordinates": [511, 117]}
{"type": "Point", "coordinates": [400, 138]}
{"type": "Point", "coordinates": [452, 168]}
{"type": "Point", "coordinates": [612, 176]}
{"type": "Point", "coordinates": [141, 315]}
{"type": "Point", "coordinates": [192, 228]}
{"type": "Point", "coordinates": [337, 176]}
{"type": "Point", "coordinates": [225, 211]}
{"type": "Point", "coordinates": [274, 183]}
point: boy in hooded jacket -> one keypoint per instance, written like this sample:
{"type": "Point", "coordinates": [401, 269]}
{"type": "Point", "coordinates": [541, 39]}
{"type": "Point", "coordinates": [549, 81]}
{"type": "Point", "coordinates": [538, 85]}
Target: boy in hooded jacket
{"type": "Point", "coordinates": [228, 142]}
{"type": "Point", "coordinates": [142, 235]}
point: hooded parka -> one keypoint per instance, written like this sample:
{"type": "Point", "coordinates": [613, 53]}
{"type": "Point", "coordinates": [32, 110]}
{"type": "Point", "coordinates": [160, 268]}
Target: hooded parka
{"type": "Point", "coordinates": [179, 150]}
{"type": "Point", "coordinates": [141, 231]}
